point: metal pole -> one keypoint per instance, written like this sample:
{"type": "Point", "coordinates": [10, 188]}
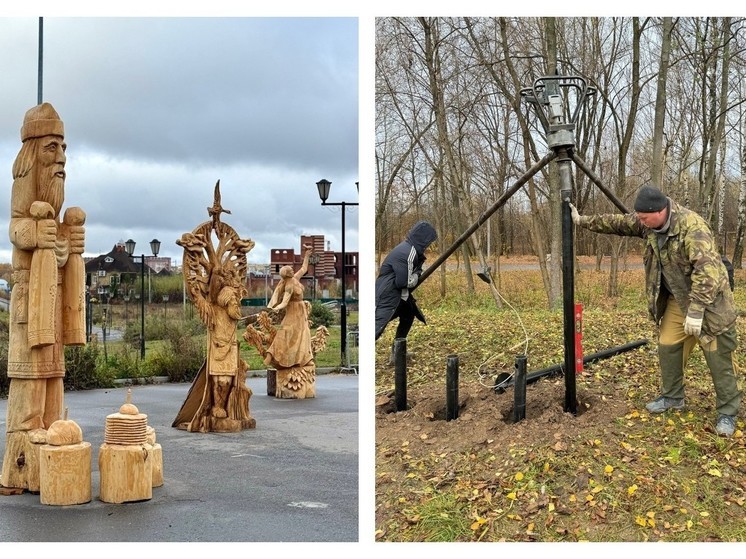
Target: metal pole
{"type": "Point", "coordinates": [400, 373]}
{"type": "Point", "coordinates": [519, 393]}
{"type": "Point", "coordinates": [142, 307]}
{"type": "Point", "coordinates": [597, 181]}
{"type": "Point", "coordinates": [568, 279]}
{"type": "Point", "coordinates": [343, 307]}
{"type": "Point", "coordinates": [487, 213]}
{"type": "Point", "coordinates": [560, 369]}
{"type": "Point", "coordinates": [41, 60]}
{"type": "Point", "coordinates": [452, 387]}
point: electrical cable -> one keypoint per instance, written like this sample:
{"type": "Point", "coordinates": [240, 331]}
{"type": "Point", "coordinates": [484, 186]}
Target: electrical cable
{"type": "Point", "coordinates": [484, 375]}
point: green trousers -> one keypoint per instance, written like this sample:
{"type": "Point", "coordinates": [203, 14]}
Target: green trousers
{"type": "Point", "coordinates": [674, 347]}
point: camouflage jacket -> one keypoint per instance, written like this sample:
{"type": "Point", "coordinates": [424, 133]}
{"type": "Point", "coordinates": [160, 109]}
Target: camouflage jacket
{"type": "Point", "coordinates": [695, 273]}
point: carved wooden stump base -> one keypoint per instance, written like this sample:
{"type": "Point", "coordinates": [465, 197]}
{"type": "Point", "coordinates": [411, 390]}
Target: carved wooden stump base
{"type": "Point", "coordinates": [126, 473]}
{"type": "Point", "coordinates": [296, 382]}
{"type": "Point", "coordinates": [227, 425]}
{"type": "Point", "coordinates": [156, 452]}
{"type": "Point", "coordinates": [65, 474]}
{"type": "Point", "coordinates": [21, 462]}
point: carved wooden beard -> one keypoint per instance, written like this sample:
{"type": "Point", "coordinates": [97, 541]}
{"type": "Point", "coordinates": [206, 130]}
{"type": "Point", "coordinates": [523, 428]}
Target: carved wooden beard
{"type": "Point", "coordinates": [51, 187]}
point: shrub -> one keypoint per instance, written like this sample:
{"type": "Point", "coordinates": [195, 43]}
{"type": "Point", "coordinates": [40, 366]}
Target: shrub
{"type": "Point", "coordinates": [181, 357]}
{"type": "Point", "coordinates": [321, 315]}
{"type": "Point", "coordinates": [84, 370]}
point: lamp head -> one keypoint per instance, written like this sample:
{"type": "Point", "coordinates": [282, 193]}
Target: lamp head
{"type": "Point", "coordinates": [129, 246]}
{"type": "Point", "coordinates": [324, 186]}
{"type": "Point", "coordinates": [155, 246]}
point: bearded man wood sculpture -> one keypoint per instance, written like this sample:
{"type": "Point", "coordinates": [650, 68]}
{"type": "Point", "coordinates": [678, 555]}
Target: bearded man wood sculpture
{"type": "Point", "coordinates": [47, 306]}
{"type": "Point", "coordinates": [218, 400]}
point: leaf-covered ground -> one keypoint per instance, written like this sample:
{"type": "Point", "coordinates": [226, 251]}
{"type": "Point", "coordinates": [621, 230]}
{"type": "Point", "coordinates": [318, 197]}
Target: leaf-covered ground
{"type": "Point", "coordinates": [611, 472]}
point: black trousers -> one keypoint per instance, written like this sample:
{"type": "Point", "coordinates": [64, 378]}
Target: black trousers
{"type": "Point", "coordinates": [405, 313]}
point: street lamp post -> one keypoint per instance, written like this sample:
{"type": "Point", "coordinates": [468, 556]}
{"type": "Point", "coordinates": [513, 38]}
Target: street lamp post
{"type": "Point", "coordinates": [314, 259]}
{"type": "Point", "coordinates": [266, 284]}
{"type": "Point", "coordinates": [324, 186]}
{"type": "Point", "coordinates": [129, 246]}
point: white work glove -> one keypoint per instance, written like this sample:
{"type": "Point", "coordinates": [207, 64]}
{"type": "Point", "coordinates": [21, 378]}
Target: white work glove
{"type": "Point", "coordinates": [574, 213]}
{"type": "Point", "coordinates": [693, 326]}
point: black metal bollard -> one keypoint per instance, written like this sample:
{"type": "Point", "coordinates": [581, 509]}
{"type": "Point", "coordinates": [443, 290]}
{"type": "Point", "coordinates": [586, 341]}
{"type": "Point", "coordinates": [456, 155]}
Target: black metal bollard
{"type": "Point", "coordinates": [519, 391]}
{"type": "Point", "coordinates": [400, 373]}
{"type": "Point", "coordinates": [452, 387]}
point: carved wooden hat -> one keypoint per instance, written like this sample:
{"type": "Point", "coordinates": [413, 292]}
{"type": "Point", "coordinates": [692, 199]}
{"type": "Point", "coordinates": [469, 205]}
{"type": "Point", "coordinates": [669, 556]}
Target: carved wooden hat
{"type": "Point", "coordinates": [40, 121]}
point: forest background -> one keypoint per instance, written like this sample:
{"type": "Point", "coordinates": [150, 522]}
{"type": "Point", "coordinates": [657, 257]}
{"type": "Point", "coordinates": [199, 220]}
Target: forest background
{"type": "Point", "coordinates": [453, 132]}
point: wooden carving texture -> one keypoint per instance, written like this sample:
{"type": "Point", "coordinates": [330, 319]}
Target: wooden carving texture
{"type": "Point", "coordinates": [214, 267]}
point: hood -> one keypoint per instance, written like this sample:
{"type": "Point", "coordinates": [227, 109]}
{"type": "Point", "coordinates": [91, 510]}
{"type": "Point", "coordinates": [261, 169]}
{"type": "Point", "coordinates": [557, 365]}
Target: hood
{"type": "Point", "coordinates": [422, 235]}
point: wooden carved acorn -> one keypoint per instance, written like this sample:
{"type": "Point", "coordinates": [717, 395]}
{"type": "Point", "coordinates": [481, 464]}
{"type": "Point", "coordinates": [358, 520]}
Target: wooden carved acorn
{"type": "Point", "coordinates": [64, 432]}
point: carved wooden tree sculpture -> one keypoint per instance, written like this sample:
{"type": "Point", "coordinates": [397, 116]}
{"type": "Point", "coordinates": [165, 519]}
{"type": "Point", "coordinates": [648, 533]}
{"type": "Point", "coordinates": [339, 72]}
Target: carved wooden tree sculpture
{"type": "Point", "coordinates": [289, 349]}
{"type": "Point", "coordinates": [219, 398]}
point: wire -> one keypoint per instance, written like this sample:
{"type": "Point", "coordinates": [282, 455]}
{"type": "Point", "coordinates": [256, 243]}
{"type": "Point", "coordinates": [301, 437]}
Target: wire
{"type": "Point", "coordinates": [484, 375]}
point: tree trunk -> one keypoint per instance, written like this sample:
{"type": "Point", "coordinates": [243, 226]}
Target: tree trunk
{"type": "Point", "coordinates": [656, 173]}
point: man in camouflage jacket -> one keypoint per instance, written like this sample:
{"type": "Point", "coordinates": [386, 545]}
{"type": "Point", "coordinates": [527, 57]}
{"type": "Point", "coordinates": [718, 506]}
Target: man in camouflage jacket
{"type": "Point", "coordinates": [689, 296]}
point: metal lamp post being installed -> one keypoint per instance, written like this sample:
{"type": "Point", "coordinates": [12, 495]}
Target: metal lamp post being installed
{"type": "Point", "coordinates": [324, 186]}
{"type": "Point", "coordinates": [155, 246]}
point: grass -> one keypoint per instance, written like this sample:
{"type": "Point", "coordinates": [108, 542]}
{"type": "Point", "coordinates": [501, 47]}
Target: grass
{"type": "Point", "coordinates": [644, 478]}
{"type": "Point", "coordinates": [329, 357]}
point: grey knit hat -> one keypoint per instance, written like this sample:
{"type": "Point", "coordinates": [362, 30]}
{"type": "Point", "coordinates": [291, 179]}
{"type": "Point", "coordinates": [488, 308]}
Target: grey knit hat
{"type": "Point", "coordinates": [650, 200]}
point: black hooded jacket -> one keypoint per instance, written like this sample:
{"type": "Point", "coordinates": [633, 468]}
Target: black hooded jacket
{"type": "Point", "coordinates": [401, 270]}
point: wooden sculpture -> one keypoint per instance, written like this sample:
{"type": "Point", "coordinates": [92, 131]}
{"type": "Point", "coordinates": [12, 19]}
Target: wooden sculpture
{"type": "Point", "coordinates": [125, 460]}
{"type": "Point", "coordinates": [47, 309]}
{"type": "Point", "coordinates": [218, 399]}
{"type": "Point", "coordinates": [65, 465]}
{"type": "Point", "coordinates": [289, 349]}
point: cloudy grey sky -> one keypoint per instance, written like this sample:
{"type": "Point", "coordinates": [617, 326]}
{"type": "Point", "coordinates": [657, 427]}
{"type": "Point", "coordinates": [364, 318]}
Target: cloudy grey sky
{"type": "Point", "coordinates": [156, 110]}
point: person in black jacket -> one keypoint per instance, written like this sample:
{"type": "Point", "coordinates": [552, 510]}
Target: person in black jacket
{"type": "Point", "coordinates": [399, 274]}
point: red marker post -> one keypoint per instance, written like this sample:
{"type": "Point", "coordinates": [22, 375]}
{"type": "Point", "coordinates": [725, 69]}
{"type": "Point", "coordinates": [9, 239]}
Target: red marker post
{"type": "Point", "coordinates": [578, 338]}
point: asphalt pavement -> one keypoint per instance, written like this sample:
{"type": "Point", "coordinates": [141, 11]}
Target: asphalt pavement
{"type": "Point", "coordinates": [294, 478]}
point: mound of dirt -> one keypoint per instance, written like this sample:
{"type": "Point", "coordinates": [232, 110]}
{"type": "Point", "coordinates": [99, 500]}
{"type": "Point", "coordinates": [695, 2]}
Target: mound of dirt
{"type": "Point", "coordinates": [485, 418]}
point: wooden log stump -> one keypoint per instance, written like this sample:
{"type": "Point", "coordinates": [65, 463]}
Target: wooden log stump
{"type": "Point", "coordinates": [21, 472]}
{"type": "Point", "coordinates": [65, 474]}
{"type": "Point", "coordinates": [126, 473]}
{"type": "Point", "coordinates": [156, 452]}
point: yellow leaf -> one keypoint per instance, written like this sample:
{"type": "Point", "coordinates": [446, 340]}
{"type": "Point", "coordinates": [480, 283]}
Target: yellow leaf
{"type": "Point", "coordinates": [704, 513]}
{"type": "Point", "coordinates": [511, 496]}
{"type": "Point", "coordinates": [641, 521]}
{"type": "Point", "coordinates": [530, 527]}
{"type": "Point", "coordinates": [551, 507]}
{"type": "Point", "coordinates": [608, 469]}
{"type": "Point", "coordinates": [650, 514]}
{"type": "Point", "coordinates": [410, 475]}
{"type": "Point", "coordinates": [631, 490]}
{"type": "Point", "coordinates": [689, 524]}
{"type": "Point", "coordinates": [519, 476]}
{"type": "Point", "coordinates": [714, 472]}
{"type": "Point", "coordinates": [546, 467]}
{"type": "Point", "coordinates": [651, 522]}
{"type": "Point", "coordinates": [572, 498]}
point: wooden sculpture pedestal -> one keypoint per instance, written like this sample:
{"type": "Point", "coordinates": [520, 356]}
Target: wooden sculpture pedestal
{"type": "Point", "coordinates": [294, 383]}
{"type": "Point", "coordinates": [156, 452]}
{"type": "Point", "coordinates": [65, 473]}
{"type": "Point", "coordinates": [126, 473]}
{"type": "Point", "coordinates": [23, 472]}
